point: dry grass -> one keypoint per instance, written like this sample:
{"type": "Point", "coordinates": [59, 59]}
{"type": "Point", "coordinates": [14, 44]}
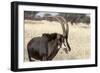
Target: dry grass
{"type": "Point", "coordinates": [79, 38]}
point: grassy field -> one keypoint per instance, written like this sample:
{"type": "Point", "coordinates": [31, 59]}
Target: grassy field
{"type": "Point", "coordinates": [79, 38]}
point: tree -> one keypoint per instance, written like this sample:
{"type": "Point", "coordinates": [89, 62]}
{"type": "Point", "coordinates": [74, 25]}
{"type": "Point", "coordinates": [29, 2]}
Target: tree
{"type": "Point", "coordinates": [30, 15]}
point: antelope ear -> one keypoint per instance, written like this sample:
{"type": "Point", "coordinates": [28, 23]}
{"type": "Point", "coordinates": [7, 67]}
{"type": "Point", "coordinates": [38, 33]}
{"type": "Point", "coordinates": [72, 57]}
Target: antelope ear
{"type": "Point", "coordinates": [45, 34]}
{"type": "Point", "coordinates": [58, 36]}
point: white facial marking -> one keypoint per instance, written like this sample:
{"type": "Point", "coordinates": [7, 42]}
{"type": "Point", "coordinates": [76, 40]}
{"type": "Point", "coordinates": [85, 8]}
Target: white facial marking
{"type": "Point", "coordinates": [64, 45]}
{"type": "Point", "coordinates": [65, 42]}
{"type": "Point", "coordinates": [58, 46]}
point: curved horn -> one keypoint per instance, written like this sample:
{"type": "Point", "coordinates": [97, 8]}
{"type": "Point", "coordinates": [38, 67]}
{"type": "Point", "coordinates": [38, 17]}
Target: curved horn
{"type": "Point", "coordinates": [65, 26]}
{"type": "Point", "coordinates": [66, 31]}
{"type": "Point", "coordinates": [62, 21]}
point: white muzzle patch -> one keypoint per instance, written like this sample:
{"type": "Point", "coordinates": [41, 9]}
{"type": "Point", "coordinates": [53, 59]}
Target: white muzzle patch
{"type": "Point", "coordinates": [64, 45]}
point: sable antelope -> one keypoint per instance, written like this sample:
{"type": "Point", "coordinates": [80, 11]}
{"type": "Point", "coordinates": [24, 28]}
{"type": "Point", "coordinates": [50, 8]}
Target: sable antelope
{"type": "Point", "coordinates": [46, 47]}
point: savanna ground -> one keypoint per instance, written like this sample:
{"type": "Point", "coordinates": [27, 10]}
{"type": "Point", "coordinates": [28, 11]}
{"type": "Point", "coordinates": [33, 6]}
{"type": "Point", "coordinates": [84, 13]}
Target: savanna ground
{"type": "Point", "coordinates": [79, 38]}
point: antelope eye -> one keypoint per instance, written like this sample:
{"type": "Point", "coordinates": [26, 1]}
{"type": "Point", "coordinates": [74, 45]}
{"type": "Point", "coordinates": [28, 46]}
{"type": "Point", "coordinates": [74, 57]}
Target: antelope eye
{"type": "Point", "coordinates": [62, 40]}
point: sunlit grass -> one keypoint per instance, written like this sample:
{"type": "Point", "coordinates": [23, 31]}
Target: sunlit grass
{"type": "Point", "coordinates": [79, 38]}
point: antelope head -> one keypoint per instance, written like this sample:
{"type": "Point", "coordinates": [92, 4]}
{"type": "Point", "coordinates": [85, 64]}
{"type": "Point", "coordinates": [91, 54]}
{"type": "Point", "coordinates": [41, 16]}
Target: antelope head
{"type": "Point", "coordinates": [65, 28]}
